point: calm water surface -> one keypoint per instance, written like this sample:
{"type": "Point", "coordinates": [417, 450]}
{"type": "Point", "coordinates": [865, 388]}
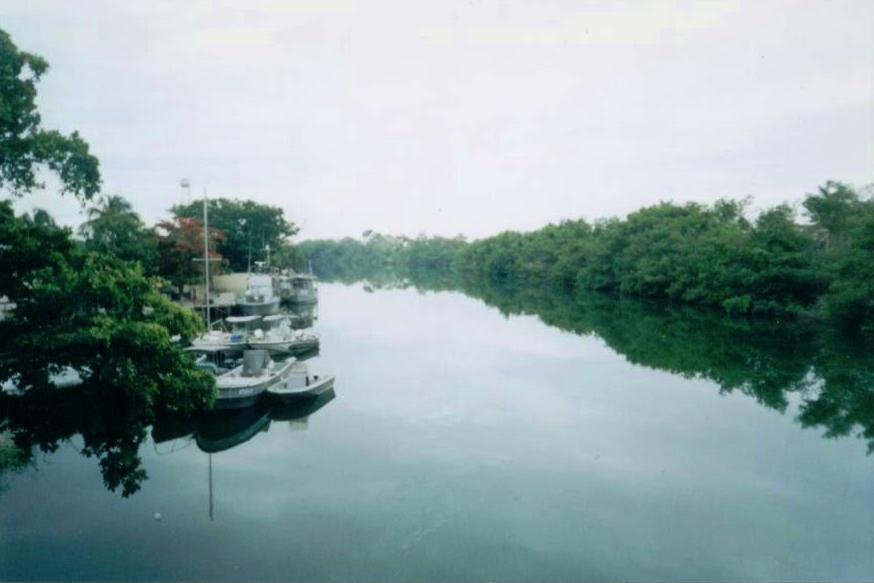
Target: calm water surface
{"type": "Point", "coordinates": [463, 445]}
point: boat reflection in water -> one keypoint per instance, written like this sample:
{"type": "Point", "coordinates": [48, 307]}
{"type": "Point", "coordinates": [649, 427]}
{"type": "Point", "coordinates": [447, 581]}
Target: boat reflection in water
{"type": "Point", "coordinates": [301, 316]}
{"type": "Point", "coordinates": [220, 431]}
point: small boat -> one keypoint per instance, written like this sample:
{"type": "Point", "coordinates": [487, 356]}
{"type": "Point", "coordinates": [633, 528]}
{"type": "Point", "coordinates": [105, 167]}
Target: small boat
{"type": "Point", "coordinates": [217, 359]}
{"type": "Point", "coordinates": [245, 383]}
{"type": "Point", "coordinates": [299, 383]}
{"type": "Point", "coordinates": [238, 337]}
{"type": "Point", "coordinates": [297, 288]}
{"type": "Point", "coordinates": [259, 298]}
{"type": "Point", "coordinates": [297, 412]}
{"type": "Point", "coordinates": [281, 338]}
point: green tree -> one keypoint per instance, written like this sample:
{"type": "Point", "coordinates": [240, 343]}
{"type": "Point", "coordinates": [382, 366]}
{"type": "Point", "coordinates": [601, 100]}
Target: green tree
{"type": "Point", "coordinates": [113, 227]}
{"type": "Point", "coordinates": [834, 209]}
{"type": "Point", "coordinates": [24, 145]}
{"type": "Point", "coordinates": [710, 255]}
{"type": "Point", "coordinates": [850, 297]}
{"type": "Point", "coordinates": [93, 314]}
{"type": "Point", "coordinates": [248, 228]}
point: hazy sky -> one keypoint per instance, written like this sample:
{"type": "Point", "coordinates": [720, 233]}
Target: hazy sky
{"type": "Point", "coordinates": [452, 117]}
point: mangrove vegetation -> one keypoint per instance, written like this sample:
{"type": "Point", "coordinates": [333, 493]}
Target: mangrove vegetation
{"type": "Point", "coordinates": [819, 262]}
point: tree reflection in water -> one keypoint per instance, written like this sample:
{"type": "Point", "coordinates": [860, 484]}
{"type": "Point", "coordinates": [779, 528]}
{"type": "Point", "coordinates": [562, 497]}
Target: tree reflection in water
{"type": "Point", "coordinates": [770, 360]}
{"type": "Point", "coordinates": [831, 375]}
{"type": "Point", "coordinates": [112, 425]}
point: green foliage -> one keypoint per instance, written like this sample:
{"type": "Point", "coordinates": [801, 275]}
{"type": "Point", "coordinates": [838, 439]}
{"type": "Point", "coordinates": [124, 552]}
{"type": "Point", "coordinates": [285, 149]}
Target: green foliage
{"type": "Point", "coordinates": [833, 209]}
{"type": "Point", "coordinates": [114, 228]}
{"type": "Point", "coordinates": [93, 314]}
{"type": "Point", "coordinates": [385, 258]}
{"type": "Point", "coordinates": [247, 227]}
{"type": "Point", "coordinates": [693, 253]}
{"type": "Point", "coordinates": [99, 318]}
{"type": "Point", "coordinates": [850, 265]}
{"type": "Point", "coordinates": [24, 144]}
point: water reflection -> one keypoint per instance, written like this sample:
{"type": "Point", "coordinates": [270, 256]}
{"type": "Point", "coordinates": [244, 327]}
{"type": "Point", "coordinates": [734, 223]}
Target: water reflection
{"type": "Point", "coordinates": [111, 426]}
{"type": "Point", "coordinates": [301, 316]}
{"type": "Point", "coordinates": [830, 376]}
{"type": "Point", "coordinates": [219, 431]}
{"type": "Point", "coordinates": [222, 430]}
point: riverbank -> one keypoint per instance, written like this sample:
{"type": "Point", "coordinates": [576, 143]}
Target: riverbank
{"type": "Point", "coordinates": [775, 265]}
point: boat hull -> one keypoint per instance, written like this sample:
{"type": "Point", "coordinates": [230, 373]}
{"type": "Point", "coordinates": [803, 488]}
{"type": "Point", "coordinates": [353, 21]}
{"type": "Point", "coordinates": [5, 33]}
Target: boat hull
{"type": "Point", "coordinates": [236, 392]}
{"type": "Point", "coordinates": [286, 347]}
{"type": "Point", "coordinates": [312, 390]}
{"type": "Point", "coordinates": [230, 401]}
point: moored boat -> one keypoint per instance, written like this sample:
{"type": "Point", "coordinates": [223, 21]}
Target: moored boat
{"type": "Point", "coordinates": [279, 337]}
{"type": "Point", "coordinates": [297, 288]}
{"type": "Point", "coordinates": [299, 383]}
{"type": "Point", "coordinates": [238, 336]}
{"type": "Point", "coordinates": [259, 298]}
{"type": "Point", "coordinates": [245, 384]}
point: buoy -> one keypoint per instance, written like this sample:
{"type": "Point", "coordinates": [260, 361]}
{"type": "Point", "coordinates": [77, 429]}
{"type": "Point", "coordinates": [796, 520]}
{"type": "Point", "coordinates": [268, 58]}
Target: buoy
{"type": "Point", "coordinates": [158, 516]}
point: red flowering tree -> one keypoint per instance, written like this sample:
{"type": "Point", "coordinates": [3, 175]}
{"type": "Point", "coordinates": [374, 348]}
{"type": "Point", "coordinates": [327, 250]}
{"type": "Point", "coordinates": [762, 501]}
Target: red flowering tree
{"type": "Point", "coordinates": [180, 250]}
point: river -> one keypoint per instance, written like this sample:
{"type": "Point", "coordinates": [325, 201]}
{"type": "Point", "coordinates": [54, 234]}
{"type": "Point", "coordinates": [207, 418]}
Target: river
{"type": "Point", "coordinates": [604, 441]}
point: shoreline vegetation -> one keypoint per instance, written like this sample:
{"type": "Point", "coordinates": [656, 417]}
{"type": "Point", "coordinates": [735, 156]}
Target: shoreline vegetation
{"type": "Point", "coordinates": [773, 266]}
{"type": "Point", "coordinates": [97, 304]}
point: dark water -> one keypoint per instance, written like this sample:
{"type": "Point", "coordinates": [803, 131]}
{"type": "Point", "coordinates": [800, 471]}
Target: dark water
{"type": "Point", "coordinates": [619, 442]}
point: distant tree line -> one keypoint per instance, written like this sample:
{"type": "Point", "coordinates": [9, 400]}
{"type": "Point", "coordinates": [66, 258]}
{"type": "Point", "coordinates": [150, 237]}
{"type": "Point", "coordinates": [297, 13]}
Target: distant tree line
{"type": "Point", "coordinates": [711, 255]}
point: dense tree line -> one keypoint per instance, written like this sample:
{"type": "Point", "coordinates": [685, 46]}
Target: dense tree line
{"type": "Point", "coordinates": [240, 232]}
{"type": "Point", "coordinates": [247, 229]}
{"type": "Point", "coordinates": [714, 255]}
{"type": "Point", "coordinates": [429, 258]}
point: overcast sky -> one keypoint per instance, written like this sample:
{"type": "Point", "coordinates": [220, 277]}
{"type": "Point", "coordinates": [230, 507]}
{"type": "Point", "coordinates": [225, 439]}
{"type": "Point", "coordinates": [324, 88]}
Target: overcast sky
{"type": "Point", "coordinates": [449, 117]}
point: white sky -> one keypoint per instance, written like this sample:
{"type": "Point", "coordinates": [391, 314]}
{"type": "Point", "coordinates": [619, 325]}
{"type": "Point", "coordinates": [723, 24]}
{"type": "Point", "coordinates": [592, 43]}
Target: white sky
{"type": "Point", "coordinates": [450, 117]}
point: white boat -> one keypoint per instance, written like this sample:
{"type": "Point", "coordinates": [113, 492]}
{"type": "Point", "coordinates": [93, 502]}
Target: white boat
{"type": "Point", "coordinates": [299, 383]}
{"type": "Point", "coordinates": [245, 384]}
{"type": "Point", "coordinates": [216, 359]}
{"type": "Point", "coordinates": [280, 337]}
{"type": "Point", "coordinates": [259, 298]}
{"type": "Point", "coordinates": [241, 329]}
{"type": "Point", "coordinates": [297, 288]}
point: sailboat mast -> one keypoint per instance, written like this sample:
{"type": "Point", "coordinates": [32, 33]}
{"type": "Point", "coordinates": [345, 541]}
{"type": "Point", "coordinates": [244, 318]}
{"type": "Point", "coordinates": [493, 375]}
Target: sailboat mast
{"type": "Point", "coordinates": [206, 256]}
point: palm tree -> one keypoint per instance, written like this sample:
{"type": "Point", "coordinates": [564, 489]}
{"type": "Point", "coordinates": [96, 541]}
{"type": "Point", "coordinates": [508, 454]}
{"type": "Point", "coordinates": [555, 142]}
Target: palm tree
{"type": "Point", "coordinates": [113, 227]}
